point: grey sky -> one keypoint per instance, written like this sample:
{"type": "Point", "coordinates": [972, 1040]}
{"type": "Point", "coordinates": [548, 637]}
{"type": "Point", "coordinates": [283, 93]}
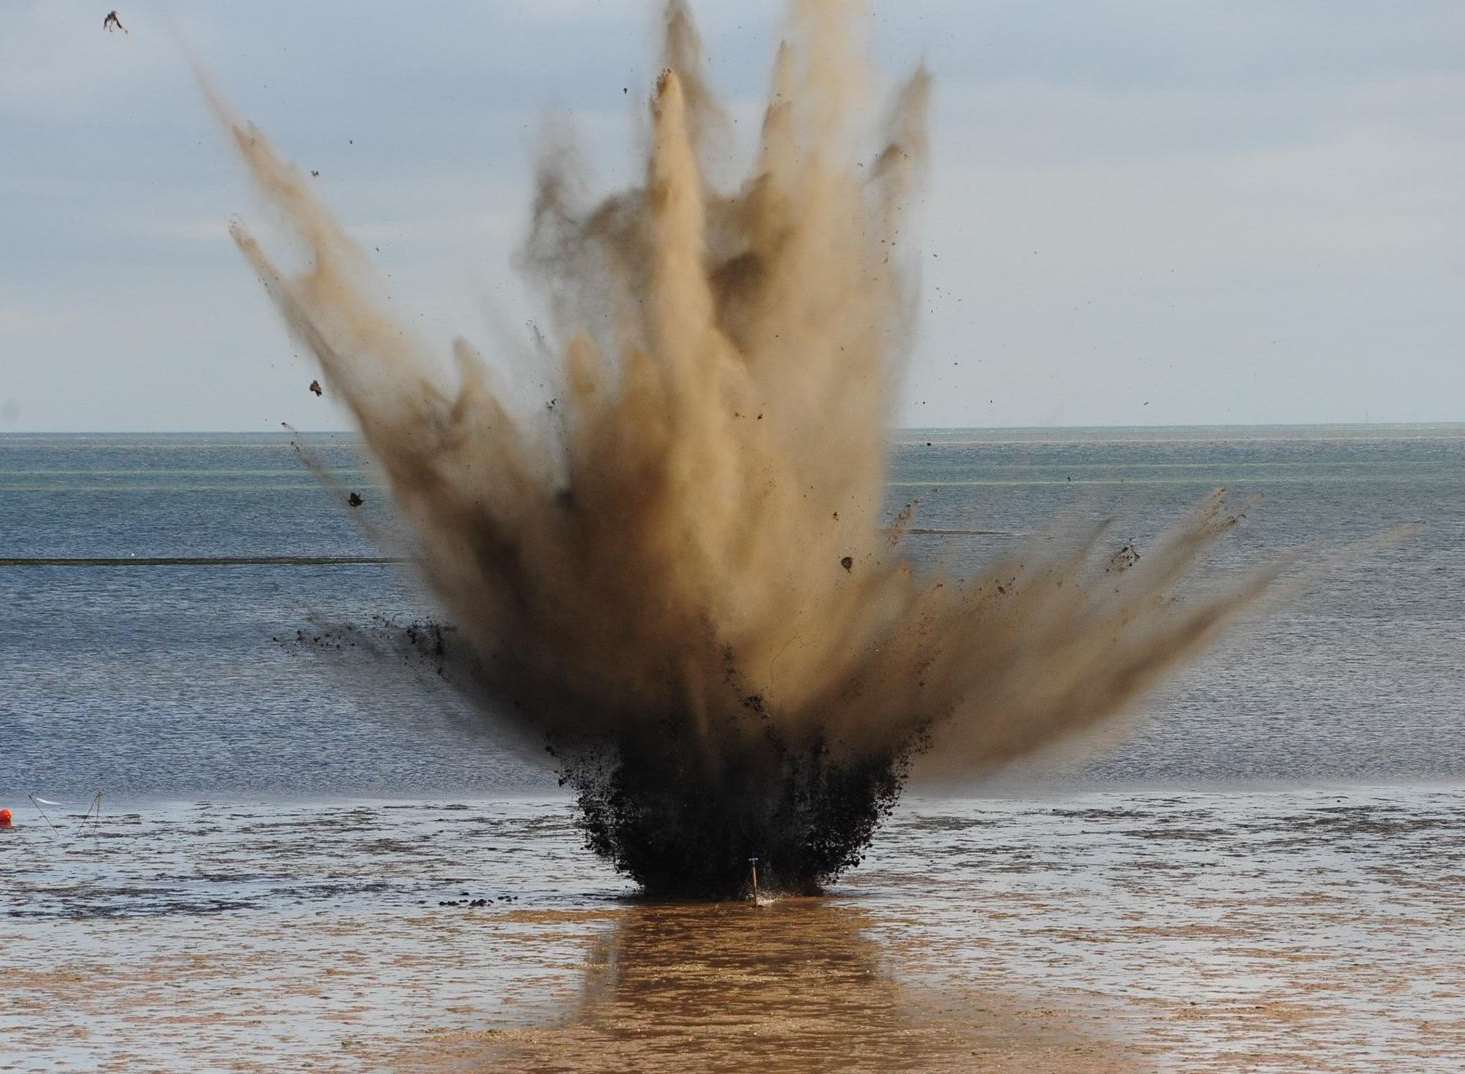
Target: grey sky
{"type": "Point", "coordinates": [1144, 212]}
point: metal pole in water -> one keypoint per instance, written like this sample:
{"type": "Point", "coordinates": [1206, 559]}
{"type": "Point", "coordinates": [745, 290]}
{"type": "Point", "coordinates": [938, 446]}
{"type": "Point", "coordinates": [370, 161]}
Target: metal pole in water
{"type": "Point", "coordinates": [754, 863]}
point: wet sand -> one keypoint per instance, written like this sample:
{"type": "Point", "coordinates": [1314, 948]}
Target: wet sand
{"type": "Point", "coordinates": [1283, 931]}
{"type": "Point", "coordinates": [797, 986]}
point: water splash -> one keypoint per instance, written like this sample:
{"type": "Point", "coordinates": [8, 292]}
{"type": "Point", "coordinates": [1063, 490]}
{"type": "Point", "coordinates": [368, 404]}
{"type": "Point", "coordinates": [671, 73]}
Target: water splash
{"type": "Point", "coordinates": [688, 591]}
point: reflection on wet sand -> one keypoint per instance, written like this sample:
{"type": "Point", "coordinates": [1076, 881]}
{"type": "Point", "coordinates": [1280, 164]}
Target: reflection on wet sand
{"type": "Point", "coordinates": [798, 986]}
{"type": "Point", "coordinates": [1303, 930]}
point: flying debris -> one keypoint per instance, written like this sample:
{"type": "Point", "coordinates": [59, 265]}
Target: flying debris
{"type": "Point", "coordinates": [1126, 557]}
{"type": "Point", "coordinates": [355, 499]}
{"type": "Point", "coordinates": [315, 387]}
{"type": "Point", "coordinates": [714, 691]}
{"type": "Point", "coordinates": [112, 22]}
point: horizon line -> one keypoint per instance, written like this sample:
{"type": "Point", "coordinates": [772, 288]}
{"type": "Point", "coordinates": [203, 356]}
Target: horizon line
{"type": "Point", "coordinates": [1157, 427]}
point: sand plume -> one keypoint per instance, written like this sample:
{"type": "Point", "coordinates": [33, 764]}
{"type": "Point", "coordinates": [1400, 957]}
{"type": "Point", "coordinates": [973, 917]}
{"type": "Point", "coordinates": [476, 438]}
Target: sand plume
{"type": "Point", "coordinates": [688, 592]}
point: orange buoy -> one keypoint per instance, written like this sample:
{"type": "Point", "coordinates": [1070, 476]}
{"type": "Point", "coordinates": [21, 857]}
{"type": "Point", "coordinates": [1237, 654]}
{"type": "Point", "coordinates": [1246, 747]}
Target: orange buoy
{"type": "Point", "coordinates": [4, 818]}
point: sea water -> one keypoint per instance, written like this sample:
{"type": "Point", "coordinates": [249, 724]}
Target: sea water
{"type": "Point", "coordinates": [143, 680]}
{"type": "Point", "coordinates": [1265, 875]}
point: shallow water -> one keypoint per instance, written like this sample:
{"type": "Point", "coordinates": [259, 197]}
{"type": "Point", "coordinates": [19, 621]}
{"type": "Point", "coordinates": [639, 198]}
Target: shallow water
{"type": "Point", "coordinates": [1268, 877]}
{"type": "Point", "coordinates": [1259, 931]}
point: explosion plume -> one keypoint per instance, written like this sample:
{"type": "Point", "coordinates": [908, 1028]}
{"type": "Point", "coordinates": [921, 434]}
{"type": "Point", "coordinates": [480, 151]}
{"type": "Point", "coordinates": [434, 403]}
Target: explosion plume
{"type": "Point", "coordinates": [687, 591]}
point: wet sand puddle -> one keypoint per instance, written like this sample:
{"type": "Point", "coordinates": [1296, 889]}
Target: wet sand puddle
{"type": "Point", "coordinates": [1259, 931]}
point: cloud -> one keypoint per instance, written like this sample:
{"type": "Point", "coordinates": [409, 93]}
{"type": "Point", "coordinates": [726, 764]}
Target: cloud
{"type": "Point", "coordinates": [183, 229]}
{"type": "Point", "coordinates": [1209, 200]}
{"type": "Point", "coordinates": [15, 320]}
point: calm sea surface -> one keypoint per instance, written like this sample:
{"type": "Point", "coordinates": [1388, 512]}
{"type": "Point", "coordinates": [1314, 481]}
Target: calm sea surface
{"type": "Point", "coordinates": [163, 681]}
{"type": "Point", "coordinates": [311, 860]}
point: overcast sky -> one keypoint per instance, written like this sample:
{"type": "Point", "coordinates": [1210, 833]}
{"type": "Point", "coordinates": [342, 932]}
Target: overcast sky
{"type": "Point", "coordinates": [1142, 212]}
